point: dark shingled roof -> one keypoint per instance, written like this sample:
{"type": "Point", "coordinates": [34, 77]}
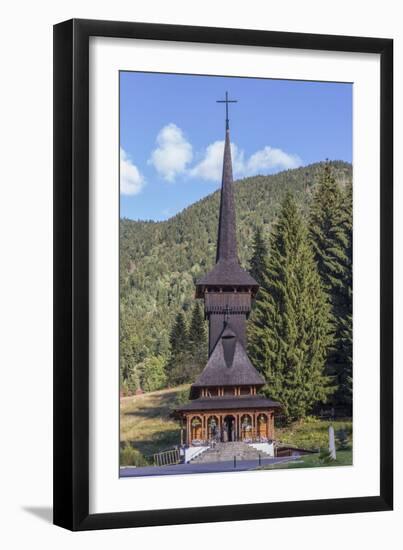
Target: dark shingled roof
{"type": "Point", "coordinates": [228, 402]}
{"type": "Point", "coordinates": [227, 271]}
{"type": "Point", "coordinates": [228, 365]}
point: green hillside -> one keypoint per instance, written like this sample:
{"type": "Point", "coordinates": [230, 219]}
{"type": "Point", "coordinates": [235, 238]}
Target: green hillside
{"type": "Point", "coordinates": [160, 261]}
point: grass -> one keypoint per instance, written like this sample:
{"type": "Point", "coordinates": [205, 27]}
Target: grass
{"type": "Point", "coordinates": [313, 433]}
{"type": "Point", "coordinates": [145, 421]}
{"type": "Point", "coordinates": [343, 458]}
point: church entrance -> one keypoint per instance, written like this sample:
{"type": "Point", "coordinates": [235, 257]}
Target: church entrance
{"type": "Point", "coordinates": [196, 429]}
{"type": "Point", "coordinates": [262, 427]}
{"type": "Point", "coordinates": [229, 429]}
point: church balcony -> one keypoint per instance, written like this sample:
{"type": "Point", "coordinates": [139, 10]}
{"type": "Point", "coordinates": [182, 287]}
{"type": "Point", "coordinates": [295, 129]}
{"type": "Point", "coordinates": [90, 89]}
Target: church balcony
{"type": "Point", "coordinates": [219, 302]}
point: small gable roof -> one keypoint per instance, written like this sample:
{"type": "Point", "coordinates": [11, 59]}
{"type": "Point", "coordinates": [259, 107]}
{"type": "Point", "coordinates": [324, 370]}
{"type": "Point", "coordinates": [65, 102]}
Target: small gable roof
{"type": "Point", "coordinates": [229, 365]}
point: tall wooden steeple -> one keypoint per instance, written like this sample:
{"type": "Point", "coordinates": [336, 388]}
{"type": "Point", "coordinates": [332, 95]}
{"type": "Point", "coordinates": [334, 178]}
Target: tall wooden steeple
{"type": "Point", "coordinates": [227, 289]}
{"type": "Point", "coordinates": [225, 403]}
{"type": "Point", "coordinates": [226, 241]}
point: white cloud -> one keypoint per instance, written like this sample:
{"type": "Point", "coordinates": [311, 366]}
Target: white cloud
{"type": "Point", "coordinates": [264, 161]}
{"type": "Point", "coordinates": [131, 180]}
{"type": "Point", "coordinates": [210, 167]}
{"type": "Point", "coordinates": [269, 159]}
{"type": "Point", "coordinates": [173, 153]}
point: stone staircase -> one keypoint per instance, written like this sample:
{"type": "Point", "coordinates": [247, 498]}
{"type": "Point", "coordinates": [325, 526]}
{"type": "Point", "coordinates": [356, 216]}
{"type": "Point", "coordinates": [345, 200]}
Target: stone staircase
{"type": "Point", "coordinates": [226, 451]}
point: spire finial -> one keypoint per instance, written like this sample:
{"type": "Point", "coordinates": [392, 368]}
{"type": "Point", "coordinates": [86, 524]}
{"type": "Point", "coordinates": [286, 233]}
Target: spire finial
{"type": "Point", "coordinates": [226, 101]}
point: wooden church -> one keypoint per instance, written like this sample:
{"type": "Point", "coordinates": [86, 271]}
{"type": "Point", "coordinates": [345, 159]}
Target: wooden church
{"type": "Point", "coordinates": [224, 401]}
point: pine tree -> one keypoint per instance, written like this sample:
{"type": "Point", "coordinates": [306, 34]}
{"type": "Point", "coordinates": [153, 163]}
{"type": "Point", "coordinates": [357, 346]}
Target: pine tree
{"type": "Point", "coordinates": [331, 236]}
{"type": "Point", "coordinates": [257, 262]}
{"type": "Point", "coordinates": [345, 391]}
{"type": "Point", "coordinates": [178, 336]}
{"type": "Point", "coordinates": [289, 330]}
{"type": "Point", "coordinates": [197, 338]}
{"type": "Point", "coordinates": [178, 341]}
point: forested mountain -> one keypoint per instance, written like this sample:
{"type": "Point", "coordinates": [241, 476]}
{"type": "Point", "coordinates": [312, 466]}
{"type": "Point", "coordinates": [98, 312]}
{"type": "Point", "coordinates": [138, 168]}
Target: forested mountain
{"type": "Point", "coordinates": [160, 261]}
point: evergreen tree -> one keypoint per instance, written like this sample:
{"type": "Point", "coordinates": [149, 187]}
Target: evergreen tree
{"type": "Point", "coordinates": [197, 337]}
{"type": "Point", "coordinates": [178, 355]}
{"type": "Point", "coordinates": [331, 236]}
{"type": "Point", "coordinates": [153, 376]}
{"type": "Point", "coordinates": [345, 381]}
{"type": "Point", "coordinates": [188, 347]}
{"type": "Point", "coordinates": [289, 330]}
{"type": "Point", "coordinates": [257, 262]}
{"type": "Point", "coordinates": [129, 372]}
{"type": "Point", "coordinates": [179, 334]}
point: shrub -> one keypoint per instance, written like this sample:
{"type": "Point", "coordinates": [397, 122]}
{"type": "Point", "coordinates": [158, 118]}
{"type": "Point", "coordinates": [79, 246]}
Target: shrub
{"type": "Point", "coordinates": [325, 457]}
{"type": "Point", "coordinates": [343, 442]}
{"type": "Point", "coordinates": [182, 398]}
{"type": "Point", "coordinates": [312, 433]}
{"type": "Point", "coordinates": [312, 420]}
{"type": "Point", "coordinates": [129, 456]}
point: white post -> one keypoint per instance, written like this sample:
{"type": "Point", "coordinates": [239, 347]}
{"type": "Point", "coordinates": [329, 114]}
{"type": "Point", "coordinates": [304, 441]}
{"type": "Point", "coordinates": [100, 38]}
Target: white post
{"type": "Point", "coordinates": [332, 446]}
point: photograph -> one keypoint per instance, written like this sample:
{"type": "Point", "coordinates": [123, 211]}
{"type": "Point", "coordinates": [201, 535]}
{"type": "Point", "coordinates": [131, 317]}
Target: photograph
{"type": "Point", "coordinates": [200, 275]}
{"type": "Point", "coordinates": [236, 274]}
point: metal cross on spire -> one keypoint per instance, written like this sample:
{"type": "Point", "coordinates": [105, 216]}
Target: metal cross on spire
{"type": "Point", "coordinates": [226, 101]}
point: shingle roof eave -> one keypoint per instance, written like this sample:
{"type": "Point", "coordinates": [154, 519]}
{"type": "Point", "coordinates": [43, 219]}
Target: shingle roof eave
{"type": "Point", "coordinates": [227, 272]}
{"type": "Point", "coordinates": [236, 402]}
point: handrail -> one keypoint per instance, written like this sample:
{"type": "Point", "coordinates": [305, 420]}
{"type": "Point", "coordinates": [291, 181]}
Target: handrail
{"type": "Point", "coordinates": [166, 458]}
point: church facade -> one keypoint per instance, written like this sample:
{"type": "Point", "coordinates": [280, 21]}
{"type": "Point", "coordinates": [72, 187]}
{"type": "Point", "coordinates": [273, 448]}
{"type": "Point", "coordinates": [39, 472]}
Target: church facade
{"type": "Point", "coordinates": [225, 404]}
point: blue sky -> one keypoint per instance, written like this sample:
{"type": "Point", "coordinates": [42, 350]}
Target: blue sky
{"type": "Point", "coordinates": [172, 132]}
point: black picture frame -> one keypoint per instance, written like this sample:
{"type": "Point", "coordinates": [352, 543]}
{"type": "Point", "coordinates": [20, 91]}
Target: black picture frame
{"type": "Point", "coordinates": [71, 274]}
